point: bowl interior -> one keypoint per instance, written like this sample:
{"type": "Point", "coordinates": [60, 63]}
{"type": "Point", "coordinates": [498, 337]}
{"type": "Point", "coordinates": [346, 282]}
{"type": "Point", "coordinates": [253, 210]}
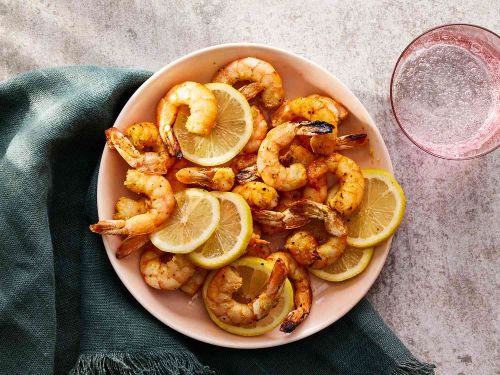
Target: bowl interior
{"type": "Point", "coordinates": [301, 77]}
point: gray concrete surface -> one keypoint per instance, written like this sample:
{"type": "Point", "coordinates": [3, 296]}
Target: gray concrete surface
{"type": "Point", "coordinates": [439, 290]}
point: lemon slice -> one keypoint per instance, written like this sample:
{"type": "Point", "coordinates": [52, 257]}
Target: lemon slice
{"type": "Point", "coordinates": [230, 239]}
{"type": "Point", "coordinates": [233, 128]}
{"type": "Point", "coordinates": [381, 210]}
{"type": "Point", "coordinates": [195, 218]}
{"type": "Point", "coordinates": [255, 273]}
{"type": "Point", "coordinates": [352, 263]}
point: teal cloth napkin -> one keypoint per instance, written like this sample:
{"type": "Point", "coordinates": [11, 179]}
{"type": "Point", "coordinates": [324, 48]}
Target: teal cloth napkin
{"type": "Point", "coordinates": [62, 307]}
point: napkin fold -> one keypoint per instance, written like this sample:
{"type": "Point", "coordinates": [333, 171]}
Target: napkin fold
{"type": "Point", "coordinates": [62, 307]}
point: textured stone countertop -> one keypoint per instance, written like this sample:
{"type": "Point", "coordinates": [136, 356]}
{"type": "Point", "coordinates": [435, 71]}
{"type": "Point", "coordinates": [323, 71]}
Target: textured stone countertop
{"type": "Point", "coordinates": [439, 289]}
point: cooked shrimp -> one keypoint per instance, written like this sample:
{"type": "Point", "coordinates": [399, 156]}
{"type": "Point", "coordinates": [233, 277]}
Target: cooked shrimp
{"type": "Point", "coordinates": [132, 244]}
{"type": "Point", "coordinates": [269, 166]}
{"type": "Point", "coordinates": [310, 252]}
{"type": "Point", "coordinates": [304, 244]}
{"type": "Point", "coordinates": [227, 281]}
{"type": "Point", "coordinates": [242, 161]}
{"type": "Point", "coordinates": [254, 70]}
{"type": "Point", "coordinates": [351, 181]}
{"type": "Point", "coordinates": [156, 161]}
{"type": "Point", "coordinates": [259, 131]}
{"type": "Point", "coordinates": [145, 136]}
{"type": "Point", "coordinates": [203, 108]}
{"type": "Point", "coordinates": [302, 296]}
{"type": "Point", "coordinates": [258, 195]}
{"type": "Point", "coordinates": [300, 154]}
{"type": "Point", "coordinates": [165, 271]}
{"type": "Point", "coordinates": [125, 208]}
{"type": "Point", "coordinates": [220, 179]}
{"type": "Point", "coordinates": [162, 204]}
{"type": "Point", "coordinates": [251, 90]}
{"type": "Point", "coordinates": [194, 283]}
{"type": "Point", "coordinates": [287, 198]}
{"type": "Point", "coordinates": [313, 210]}
{"type": "Point", "coordinates": [257, 247]}
{"type": "Point", "coordinates": [279, 220]}
{"type": "Point", "coordinates": [174, 182]}
{"type": "Point", "coordinates": [310, 108]}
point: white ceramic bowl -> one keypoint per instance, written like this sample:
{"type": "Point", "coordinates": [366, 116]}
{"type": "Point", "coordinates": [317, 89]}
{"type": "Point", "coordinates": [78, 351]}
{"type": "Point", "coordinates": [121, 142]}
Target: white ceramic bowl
{"type": "Point", "coordinates": [301, 77]}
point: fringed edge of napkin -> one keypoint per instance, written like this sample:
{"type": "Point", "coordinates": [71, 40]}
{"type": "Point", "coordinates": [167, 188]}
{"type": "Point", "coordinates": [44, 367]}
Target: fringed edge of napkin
{"type": "Point", "coordinates": [414, 367]}
{"type": "Point", "coordinates": [150, 362]}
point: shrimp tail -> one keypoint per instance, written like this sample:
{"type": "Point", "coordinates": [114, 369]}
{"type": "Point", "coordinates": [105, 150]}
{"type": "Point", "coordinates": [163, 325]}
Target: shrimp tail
{"type": "Point", "coordinates": [109, 227]}
{"type": "Point", "coordinates": [247, 174]}
{"type": "Point", "coordinates": [314, 128]}
{"type": "Point", "coordinates": [346, 142]}
{"type": "Point", "coordinates": [333, 222]}
{"type": "Point", "coordinates": [279, 219]}
{"type": "Point", "coordinates": [251, 90]}
{"type": "Point", "coordinates": [132, 244]}
{"type": "Point", "coordinates": [293, 319]}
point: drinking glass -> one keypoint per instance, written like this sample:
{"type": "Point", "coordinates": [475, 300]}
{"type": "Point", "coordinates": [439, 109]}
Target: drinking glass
{"type": "Point", "coordinates": [445, 91]}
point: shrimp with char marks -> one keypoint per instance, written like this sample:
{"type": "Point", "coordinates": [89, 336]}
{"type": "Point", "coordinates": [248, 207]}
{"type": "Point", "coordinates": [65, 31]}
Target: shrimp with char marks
{"type": "Point", "coordinates": [254, 70]}
{"type": "Point", "coordinates": [201, 120]}
{"type": "Point", "coordinates": [141, 147]}
{"type": "Point", "coordinates": [162, 203]}
{"type": "Point", "coordinates": [304, 243]}
{"type": "Point", "coordinates": [258, 195]}
{"type": "Point", "coordinates": [227, 282]}
{"type": "Point", "coordinates": [125, 208]}
{"type": "Point", "coordinates": [269, 166]}
{"type": "Point", "coordinates": [302, 296]}
{"type": "Point", "coordinates": [351, 181]}
{"type": "Point", "coordinates": [220, 179]}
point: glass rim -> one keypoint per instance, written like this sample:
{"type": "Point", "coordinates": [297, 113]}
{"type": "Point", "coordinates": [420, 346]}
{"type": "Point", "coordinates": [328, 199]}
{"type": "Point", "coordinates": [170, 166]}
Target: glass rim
{"type": "Point", "coordinates": [392, 98]}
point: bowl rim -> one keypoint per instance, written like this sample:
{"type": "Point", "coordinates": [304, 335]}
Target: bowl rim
{"type": "Point", "coordinates": [239, 344]}
{"type": "Point", "coordinates": [392, 97]}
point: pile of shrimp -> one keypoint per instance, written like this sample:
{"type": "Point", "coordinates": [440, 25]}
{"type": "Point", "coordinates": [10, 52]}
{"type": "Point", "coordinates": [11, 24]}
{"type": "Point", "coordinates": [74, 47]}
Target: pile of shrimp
{"type": "Point", "coordinates": [281, 173]}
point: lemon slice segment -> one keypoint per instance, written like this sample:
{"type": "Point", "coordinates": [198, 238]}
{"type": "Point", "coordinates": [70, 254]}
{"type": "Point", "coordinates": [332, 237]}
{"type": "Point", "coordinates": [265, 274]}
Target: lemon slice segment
{"type": "Point", "coordinates": [255, 273]}
{"type": "Point", "coordinates": [229, 241]}
{"type": "Point", "coordinates": [195, 218]}
{"type": "Point", "coordinates": [233, 128]}
{"type": "Point", "coordinates": [381, 210]}
{"type": "Point", "coordinates": [351, 263]}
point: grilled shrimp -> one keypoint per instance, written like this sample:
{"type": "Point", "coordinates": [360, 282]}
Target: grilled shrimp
{"type": "Point", "coordinates": [302, 296]}
{"type": "Point", "coordinates": [311, 108]}
{"type": "Point", "coordinates": [300, 154]}
{"type": "Point", "coordinates": [351, 181]}
{"type": "Point", "coordinates": [306, 246]}
{"type": "Point", "coordinates": [220, 179]}
{"type": "Point", "coordinates": [141, 147]}
{"type": "Point", "coordinates": [125, 208]}
{"type": "Point", "coordinates": [165, 271]}
{"type": "Point", "coordinates": [227, 281]}
{"type": "Point", "coordinates": [257, 247]}
{"type": "Point", "coordinates": [251, 90]}
{"type": "Point", "coordinates": [203, 108]}
{"type": "Point", "coordinates": [162, 204]}
{"type": "Point", "coordinates": [260, 127]}
{"type": "Point", "coordinates": [195, 282]}
{"type": "Point", "coordinates": [254, 70]}
{"type": "Point", "coordinates": [132, 244]}
{"type": "Point", "coordinates": [258, 195]}
{"type": "Point", "coordinates": [286, 219]}
{"type": "Point", "coordinates": [269, 166]}
{"type": "Point", "coordinates": [243, 161]}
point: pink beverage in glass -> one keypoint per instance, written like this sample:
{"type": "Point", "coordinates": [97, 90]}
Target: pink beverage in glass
{"type": "Point", "coordinates": [445, 91]}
